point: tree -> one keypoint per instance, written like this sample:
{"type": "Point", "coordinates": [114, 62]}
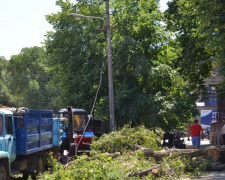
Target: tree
{"type": "Point", "coordinates": [148, 87]}
{"type": "Point", "coordinates": [199, 26]}
{"type": "Point", "coordinates": [4, 95]}
{"type": "Point", "coordinates": [28, 76]}
{"type": "Point", "coordinates": [182, 18]}
{"type": "Point", "coordinates": [76, 53]}
{"type": "Point", "coordinates": [211, 15]}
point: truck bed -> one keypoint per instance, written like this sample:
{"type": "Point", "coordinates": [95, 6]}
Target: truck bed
{"type": "Point", "coordinates": [36, 131]}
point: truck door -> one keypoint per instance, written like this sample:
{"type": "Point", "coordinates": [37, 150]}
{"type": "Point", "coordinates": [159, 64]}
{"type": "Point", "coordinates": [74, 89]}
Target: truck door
{"type": "Point", "coordinates": [2, 133]}
{"type": "Point", "coordinates": [10, 137]}
{"type": "Point", "coordinates": [2, 142]}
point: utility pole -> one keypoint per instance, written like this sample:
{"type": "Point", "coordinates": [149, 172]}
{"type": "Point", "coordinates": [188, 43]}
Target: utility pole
{"type": "Point", "coordinates": [110, 69]}
{"type": "Point", "coordinates": [109, 58]}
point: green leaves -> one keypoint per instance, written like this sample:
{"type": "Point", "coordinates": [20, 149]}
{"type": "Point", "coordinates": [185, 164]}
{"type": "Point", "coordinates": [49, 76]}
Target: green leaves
{"type": "Point", "coordinates": [184, 19]}
{"type": "Point", "coordinates": [76, 53]}
{"type": "Point", "coordinates": [28, 78]}
{"type": "Point", "coordinates": [4, 94]}
{"type": "Point", "coordinates": [126, 139]}
{"type": "Point", "coordinates": [158, 69]}
{"type": "Point", "coordinates": [129, 161]}
{"type": "Point", "coordinates": [147, 71]}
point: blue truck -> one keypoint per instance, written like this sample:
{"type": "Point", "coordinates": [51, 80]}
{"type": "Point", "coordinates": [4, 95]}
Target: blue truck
{"type": "Point", "coordinates": [26, 139]}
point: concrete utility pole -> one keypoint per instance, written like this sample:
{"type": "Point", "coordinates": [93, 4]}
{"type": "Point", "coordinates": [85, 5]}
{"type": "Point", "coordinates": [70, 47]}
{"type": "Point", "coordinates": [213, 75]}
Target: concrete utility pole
{"type": "Point", "coordinates": [110, 74]}
{"type": "Point", "coordinates": [109, 57]}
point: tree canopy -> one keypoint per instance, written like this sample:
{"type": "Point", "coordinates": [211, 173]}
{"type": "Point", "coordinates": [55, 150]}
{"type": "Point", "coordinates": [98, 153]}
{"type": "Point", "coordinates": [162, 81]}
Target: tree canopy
{"type": "Point", "coordinates": [28, 78]}
{"type": "Point", "coordinates": [4, 94]}
{"type": "Point", "coordinates": [149, 86]}
{"type": "Point", "coordinates": [198, 27]}
{"type": "Point", "coordinates": [160, 61]}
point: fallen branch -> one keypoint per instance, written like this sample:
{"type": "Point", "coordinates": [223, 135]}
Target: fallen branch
{"type": "Point", "coordinates": [217, 152]}
{"type": "Point", "coordinates": [153, 170]}
{"type": "Point", "coordinates": [158, 155]}
{"type": "Point", "coordinates": [148, 152]}
{"type": "Point", "coordinates": [113, 155]}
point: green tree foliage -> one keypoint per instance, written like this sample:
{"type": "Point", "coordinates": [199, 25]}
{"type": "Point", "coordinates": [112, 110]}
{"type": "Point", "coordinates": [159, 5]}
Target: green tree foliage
{"type": "Point", "coordinates": [28, 78]}
{"type": "Point", "coordinates": [126, 160]}
{"type": "Point", "coordinates": [211, 14]}
{"type": "Point", "coordinates": [211, 25]}
{"type": "Point", "coordinates": [4, 94]}
{"type": "Point", "coordinates": [76, 54]}
{"type": "Point", "coordinates": [127, 138]}
{"type": "Point", "coordinates": [171, 95]}
{"type": "Point", "coordinates": [150, 86]}
{"type": "Point", "coordinates": [137, 40]}
{"type": "Point", "coordinates": [184, 19]}
{"type": "Point", "coordinates": [107, 168]}
{"type": "Point", "coordinates": [199, 28]}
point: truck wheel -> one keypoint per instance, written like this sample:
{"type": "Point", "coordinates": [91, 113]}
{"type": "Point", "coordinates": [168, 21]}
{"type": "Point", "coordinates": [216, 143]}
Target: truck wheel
{"type": "Point", "coordinates": [40, 165]}
{"type": "Point", "coordinates": [4, 173]}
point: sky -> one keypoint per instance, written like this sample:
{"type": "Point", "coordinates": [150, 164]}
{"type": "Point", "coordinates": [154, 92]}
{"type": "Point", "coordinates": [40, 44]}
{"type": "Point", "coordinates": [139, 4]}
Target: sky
{"type": "Point", "coordinates": [163, 5]}
{"type": "Point", "coordinates": [23, 23]}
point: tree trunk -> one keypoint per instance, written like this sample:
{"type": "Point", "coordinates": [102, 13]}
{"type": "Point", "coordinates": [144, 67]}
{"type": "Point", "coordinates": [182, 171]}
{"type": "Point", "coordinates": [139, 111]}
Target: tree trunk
{"type": "Point", "coordinates": [158, 155]}
{"type": "Point", "coordinates": [218, 153]}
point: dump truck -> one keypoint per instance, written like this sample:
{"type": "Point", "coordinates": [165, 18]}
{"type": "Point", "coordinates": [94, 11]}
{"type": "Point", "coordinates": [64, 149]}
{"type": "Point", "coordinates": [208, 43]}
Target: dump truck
{"type": "Point", "coordinates": [26, 139]}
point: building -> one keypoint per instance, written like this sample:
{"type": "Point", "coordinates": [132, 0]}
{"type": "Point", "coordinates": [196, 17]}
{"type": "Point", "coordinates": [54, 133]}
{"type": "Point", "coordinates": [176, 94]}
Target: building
{"type": "Point", "coordinates": [209, 109]}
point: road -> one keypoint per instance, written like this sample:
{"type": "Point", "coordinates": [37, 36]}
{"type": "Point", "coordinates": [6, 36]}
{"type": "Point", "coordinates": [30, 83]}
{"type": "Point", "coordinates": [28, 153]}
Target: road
{"type": "Point", "coordinates": [204, 143]}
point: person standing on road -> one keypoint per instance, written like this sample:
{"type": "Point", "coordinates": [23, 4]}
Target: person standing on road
{"type": "Point", "coordinates": [195, 132]}
{"type": "Point", "coordinates": [223, 131]}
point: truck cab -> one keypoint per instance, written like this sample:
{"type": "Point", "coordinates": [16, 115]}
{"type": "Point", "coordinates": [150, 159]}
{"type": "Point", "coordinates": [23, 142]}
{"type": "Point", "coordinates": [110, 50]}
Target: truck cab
{"type": "Point", "coordinates": [7, 142]}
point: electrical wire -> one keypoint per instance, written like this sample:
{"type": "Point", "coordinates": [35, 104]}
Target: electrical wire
{"type": "Point", "coordinates": [91, 115]}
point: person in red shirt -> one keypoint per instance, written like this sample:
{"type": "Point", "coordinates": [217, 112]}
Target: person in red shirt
{"type": "Point", "coordinates": [195, 132]}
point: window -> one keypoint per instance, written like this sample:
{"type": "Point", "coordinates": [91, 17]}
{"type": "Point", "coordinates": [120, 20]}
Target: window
{"type": "Point", "coordinates": [79, 121]}
{"type": "Point", "coordinates": [1, 124]}
{"type": "Point", "coordinates": [9, 125]}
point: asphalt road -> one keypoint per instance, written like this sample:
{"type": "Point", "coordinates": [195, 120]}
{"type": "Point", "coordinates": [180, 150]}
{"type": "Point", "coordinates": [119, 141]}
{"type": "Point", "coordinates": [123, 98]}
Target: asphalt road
{"type": "Point", "coordinates": [204, 143]}
{"type": "Point", "coordinates": [214, 176]}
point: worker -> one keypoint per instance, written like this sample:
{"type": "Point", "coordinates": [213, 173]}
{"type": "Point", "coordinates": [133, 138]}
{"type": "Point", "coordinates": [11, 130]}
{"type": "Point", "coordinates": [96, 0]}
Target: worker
{"type": "Point", "coordinates": [195, 132]}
